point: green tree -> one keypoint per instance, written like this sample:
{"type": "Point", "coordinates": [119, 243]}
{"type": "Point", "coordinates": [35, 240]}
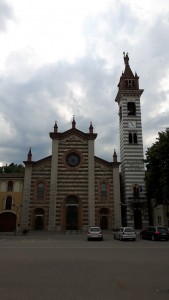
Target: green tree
{"type": "Point", "coordinates": [157, 174]}
{"type": "Point", "coordinates": [12, 168]}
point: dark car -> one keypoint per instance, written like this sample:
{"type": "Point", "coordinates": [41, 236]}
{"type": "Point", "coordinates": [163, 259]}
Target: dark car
{"type": "Point", "coordinates": [155, 233]}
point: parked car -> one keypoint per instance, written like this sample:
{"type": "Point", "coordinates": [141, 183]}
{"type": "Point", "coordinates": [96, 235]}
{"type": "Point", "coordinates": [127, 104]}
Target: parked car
{"type": "Point", "coordinates": [124, 233]}
{"type": "Point", "coordinates": [94, 233]}
{"type": "Point", "coordinates": [155, 233]}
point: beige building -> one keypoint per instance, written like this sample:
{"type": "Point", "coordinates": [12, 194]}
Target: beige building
{"type": "Point", "coordinates": [11, 188]}
{"type": "Point", "coordinates": [72, 188]}
{"type": "Point", "coordinates": [161, 215]}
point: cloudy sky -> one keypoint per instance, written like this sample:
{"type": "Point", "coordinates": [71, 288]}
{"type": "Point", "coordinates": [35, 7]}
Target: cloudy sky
{"type": "Point", "coordinates": [64, 58]}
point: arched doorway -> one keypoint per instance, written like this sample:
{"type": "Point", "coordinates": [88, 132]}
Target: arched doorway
{"type": "Point", "coordinates": [104, 220]}
{"type": "Point", "coordinates": [72, 215]}
{"type": "Point", "coordinates": [7, 221]}
{"type": "Point", "coordinates": [137, 219]}
{"type": "Point", "coordinates": [39, 219]}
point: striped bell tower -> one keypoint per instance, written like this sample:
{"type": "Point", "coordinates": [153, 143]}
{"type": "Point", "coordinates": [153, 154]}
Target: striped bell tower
{"type": "Point", "coordinates": [134, 203]}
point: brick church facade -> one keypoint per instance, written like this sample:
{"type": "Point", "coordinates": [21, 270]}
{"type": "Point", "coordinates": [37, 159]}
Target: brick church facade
{"type": "Point", "coordinates": [72, 188]}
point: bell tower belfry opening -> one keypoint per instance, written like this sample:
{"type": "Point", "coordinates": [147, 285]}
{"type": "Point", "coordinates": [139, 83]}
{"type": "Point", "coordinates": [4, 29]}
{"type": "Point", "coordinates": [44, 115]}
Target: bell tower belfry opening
{"type": "Point", "coordinates": [134, 204]}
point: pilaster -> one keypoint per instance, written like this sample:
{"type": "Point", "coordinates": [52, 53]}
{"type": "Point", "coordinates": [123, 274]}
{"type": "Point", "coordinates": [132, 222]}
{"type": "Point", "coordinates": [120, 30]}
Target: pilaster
{"type": "Point", "coordinates": [91, 180]}
{"type": "Point", "coordinates": [53, 186]}
{"type": "Point", "coordinates": [26, 196]}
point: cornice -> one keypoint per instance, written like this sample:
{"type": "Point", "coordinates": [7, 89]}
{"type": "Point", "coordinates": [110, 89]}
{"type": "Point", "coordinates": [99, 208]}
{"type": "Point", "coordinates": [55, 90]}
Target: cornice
{"type": "Point", "coordinates": [128, 93]}
{"type": "Point", "coordinates": [72, 131]}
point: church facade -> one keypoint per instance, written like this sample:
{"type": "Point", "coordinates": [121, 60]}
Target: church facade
{"type": "Point", "coordinates": [72, 188]}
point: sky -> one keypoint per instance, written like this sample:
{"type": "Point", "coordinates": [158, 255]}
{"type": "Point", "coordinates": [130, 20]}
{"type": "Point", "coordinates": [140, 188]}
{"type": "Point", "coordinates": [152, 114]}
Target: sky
{"type": "Point", "coordinates": [64, 58]}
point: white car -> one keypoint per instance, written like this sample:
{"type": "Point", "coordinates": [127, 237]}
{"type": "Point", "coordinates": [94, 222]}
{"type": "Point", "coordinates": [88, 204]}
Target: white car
{"type": "Point", "coordinates": [94, 233]}
{"type": "Point", "coordinates": [124, 233]}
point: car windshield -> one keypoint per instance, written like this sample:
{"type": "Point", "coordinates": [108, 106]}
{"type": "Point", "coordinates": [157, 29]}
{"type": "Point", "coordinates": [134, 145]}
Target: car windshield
{"type": "Point", "coordinates": [129, 229]}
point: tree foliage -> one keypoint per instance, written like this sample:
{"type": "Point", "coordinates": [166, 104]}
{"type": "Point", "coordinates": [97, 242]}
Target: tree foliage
{"type": "Point", "coordinates": [157, 174]}
{"type": "Point", "coordinates": [12, 168]}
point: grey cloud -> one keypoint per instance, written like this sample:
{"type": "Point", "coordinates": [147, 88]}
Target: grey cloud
{"type": "Point", "coordinates": [6, 13]}
{"type": "Point", "coordinates": [31, 107]}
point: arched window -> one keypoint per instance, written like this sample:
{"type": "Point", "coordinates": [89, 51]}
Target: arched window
{"type": "Point", "coordinates": [10, 186]}
{"type": "Point", "coordinates": [103, 192]}
{"type": "Point", "coordinates": [8, 202]}
{"type": "Point", "coordinates": [132, 138]}
{"type": "Point", "coordinates": [40, 191]}
{"type": "Point", "coordinates": [131, 107]}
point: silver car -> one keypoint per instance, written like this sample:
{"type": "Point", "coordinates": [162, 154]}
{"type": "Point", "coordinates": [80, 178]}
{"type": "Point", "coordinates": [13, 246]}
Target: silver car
{"type": "Point", "coordinates": [124, 233]}
{"type": "Point", "coordinates": [94, 233]}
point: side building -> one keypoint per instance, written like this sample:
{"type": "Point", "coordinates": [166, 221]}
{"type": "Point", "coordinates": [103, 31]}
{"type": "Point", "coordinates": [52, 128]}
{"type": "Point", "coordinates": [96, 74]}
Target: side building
{"type": "Point", "coordinates": [11, 193]}
{"type": "Point", "coordinates": [72, 188]}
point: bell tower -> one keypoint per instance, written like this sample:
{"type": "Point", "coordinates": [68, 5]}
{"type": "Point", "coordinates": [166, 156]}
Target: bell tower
{"type": "Point", "coordinates": [134, 203]}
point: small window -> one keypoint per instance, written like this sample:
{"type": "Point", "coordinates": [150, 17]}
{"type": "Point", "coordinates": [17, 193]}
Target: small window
{"type": "Point", "coordinates": [131, 107]}
{"type": "Point", "coordinates": [103, 192]}
{"type": "Point", "coordinates": [129, 83]}
{"type": "Point", "coordinates": [10, 186]}
{"type": "Point", "coordinates": [8, 202]}
{"type": "Point", "coordinates": [40, 193]}
{"type": "Point", "coordinates": [132, 138]}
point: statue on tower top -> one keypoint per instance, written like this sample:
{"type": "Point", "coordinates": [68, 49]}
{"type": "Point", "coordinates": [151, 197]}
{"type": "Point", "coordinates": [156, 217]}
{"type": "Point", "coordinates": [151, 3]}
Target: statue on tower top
{"type": "Point", "coordinates": [126, 58]}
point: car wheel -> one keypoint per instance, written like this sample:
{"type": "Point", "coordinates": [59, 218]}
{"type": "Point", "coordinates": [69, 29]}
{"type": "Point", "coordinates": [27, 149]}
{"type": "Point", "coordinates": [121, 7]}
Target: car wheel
{"type": "Point", "coordinates": [153, 238]}
{"type": "Point", "coordinates": [120, 238]}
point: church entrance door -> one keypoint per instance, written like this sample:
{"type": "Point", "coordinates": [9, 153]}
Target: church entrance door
{"type": "Point", "coordinates": [39, 222]}
{"type": "Point", "coordinates": [71, 213]}
{"type": "Point", "coordinates": [39, 219]}
{"type": "Point", "coordinates": [104, 221]}
{"type": "Point", "coordinates": [72, 217]}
